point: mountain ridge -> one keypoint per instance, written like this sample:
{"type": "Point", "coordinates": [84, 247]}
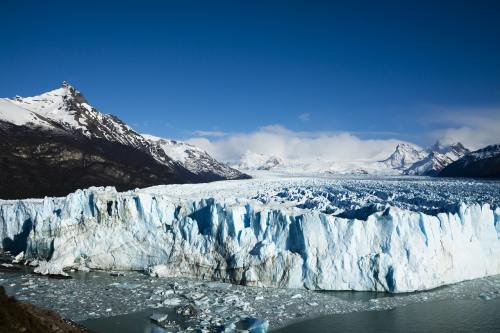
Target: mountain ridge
{"type": "Point", "coordinates": [481, 163]}
{"type": "Point", "coordinates": [57, 142]}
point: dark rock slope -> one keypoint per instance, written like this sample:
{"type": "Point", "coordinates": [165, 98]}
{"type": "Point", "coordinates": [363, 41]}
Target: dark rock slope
{"type": "Point", "coordinates": [22, 317]}
{"type": "Point", "coordinates": [482, 163]}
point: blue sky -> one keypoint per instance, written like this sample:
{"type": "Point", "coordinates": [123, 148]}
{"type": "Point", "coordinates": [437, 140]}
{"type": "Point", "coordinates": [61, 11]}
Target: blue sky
{"type": "Point", "coordinates": [378, 70]}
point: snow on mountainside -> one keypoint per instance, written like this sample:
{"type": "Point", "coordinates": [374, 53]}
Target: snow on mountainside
{"type": "Point", "coordinates": [69, 108]}
{"type": "Point", "coordinates": [11, 113]}
{"type": "Point", "coordinates": [59, 132]}
{"type": "Point", "coordinates": [255, 161]}
{"type": "Point", "coordinates": [484, 162]}
{"type": "Point", "coordinates": [439, 157]}
{"type": "Point", "coordinates": [404, 156]}
{"type": "Point", "coordinates": [484, 153]}
{"type": "Point", "coordinates": [406, 159]}
{"type": "Point", "coordinates": [412, 160]}
{"type": "Point", "coordinates": [193, 158]}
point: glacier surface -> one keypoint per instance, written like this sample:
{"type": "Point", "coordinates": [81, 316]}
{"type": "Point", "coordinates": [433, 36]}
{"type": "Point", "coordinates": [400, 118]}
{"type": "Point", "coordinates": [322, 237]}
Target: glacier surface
{"type": "Point", "coordinates": [267, 232]}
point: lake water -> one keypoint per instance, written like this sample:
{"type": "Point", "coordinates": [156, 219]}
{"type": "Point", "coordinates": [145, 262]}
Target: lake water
{"type": "Point", "coordinates": [471, 315]}
{"type": "Point", "coordinates": [443, 316]}
{"type": "Point", "coordinates": [123, 302]}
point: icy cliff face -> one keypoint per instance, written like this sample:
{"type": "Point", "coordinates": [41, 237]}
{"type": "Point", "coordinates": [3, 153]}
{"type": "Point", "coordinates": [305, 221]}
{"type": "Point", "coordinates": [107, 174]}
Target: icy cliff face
{"type": "Point", "coordinates": [245, 242]}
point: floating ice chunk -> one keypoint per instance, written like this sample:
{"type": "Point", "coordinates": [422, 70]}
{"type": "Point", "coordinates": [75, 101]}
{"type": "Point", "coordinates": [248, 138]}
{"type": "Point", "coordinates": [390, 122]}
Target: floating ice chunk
{"type": "Point", "coordinates": [488, 296]}
{"type": "Point", "coordinates": [125, 285]}
{"type": "Point", "coordinates": [252, 325]}
{"type": "Point", "coordinates": [158, 271]}
{"type": "Point", "coordinates": [172, 302]}
{"type": "Point", "coordinates": [18, 258]}
{"type": "Point", "coordinates": [49, 268]}
{"type": "Point", "coordinates": [187, 310]}
{"type": "Point", "coordinates": [159, 317]}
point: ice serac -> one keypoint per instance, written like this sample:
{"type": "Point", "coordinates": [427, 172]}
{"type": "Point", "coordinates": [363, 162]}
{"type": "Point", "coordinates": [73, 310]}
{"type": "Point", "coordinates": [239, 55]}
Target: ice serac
{"type": "Point", "coordinates": [248, 243]}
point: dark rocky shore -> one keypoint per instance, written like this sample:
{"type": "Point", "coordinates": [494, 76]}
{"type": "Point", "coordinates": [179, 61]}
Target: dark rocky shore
{"type": "Point", "coordinates": [16, 316]}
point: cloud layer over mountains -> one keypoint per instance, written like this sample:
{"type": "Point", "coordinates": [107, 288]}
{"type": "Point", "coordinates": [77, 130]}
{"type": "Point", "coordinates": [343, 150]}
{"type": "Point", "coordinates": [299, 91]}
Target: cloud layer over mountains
{"type": "Point", "coordinates": [279, 141]}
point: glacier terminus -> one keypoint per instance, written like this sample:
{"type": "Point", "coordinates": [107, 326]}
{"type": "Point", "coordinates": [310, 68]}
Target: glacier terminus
{"type": "Point", "coordinates": [320, 233]}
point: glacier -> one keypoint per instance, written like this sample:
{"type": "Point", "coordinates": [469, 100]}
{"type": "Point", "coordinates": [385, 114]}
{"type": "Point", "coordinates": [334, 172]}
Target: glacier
{"type": "Point", "coordinates": [241, 240]}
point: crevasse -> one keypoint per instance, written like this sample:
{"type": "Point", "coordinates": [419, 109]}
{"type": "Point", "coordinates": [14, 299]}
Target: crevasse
{"type": "Point", "coordinates": [245, 242]}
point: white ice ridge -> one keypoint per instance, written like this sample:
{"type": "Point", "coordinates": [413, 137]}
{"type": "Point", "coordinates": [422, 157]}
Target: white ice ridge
{"type": "Point", "coordinates": [246, 242]}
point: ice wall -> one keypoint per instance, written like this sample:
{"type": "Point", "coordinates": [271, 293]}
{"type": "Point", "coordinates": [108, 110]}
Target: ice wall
{"type": "Point", "coordinates": [249, 243]}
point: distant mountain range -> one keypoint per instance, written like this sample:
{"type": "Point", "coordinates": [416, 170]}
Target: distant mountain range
{"type": "Point", "coordinates": [57, 142]}
{"type": "Point", "coordinates": [412, 160]}
{"type": "Point", "coordinates": [407, 159]}
{"type": "Point", "coordinates": [484, 163]}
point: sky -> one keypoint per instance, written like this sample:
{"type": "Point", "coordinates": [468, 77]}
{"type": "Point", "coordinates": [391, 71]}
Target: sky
{"type": "Point", "coordinates": [231, 76]}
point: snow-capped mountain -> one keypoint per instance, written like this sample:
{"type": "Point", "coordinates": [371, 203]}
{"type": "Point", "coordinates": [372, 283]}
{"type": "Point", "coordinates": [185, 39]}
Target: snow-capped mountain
{"type": "Point", "coordinates": [404, 156]}
{"type": "Point", "coordinates": [406, 159]}
{"type": "Point", "coordinates": [69, 110]}
{"type": "Point", "coordinates": [438, 158]}
{"type": "Point", "coordinates": [57, 142]}
{"type": "Point", "coordinates": [256, 161]}
{"type": "Point", "coordinates": [193, 158]}
{"type": "Point", "coordinates": [412, 160]}
{"type": "Point", "coordinates": [484, 162]}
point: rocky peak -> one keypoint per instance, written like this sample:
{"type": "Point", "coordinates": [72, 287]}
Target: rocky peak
{"type": "Point", "coordinates": [404, 155]}
{"type": "Point", "coordinates": [445, 148]}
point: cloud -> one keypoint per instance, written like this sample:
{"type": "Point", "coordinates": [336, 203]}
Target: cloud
{"type": "Point", "coordinates": [474, 127]}
{"type": "Point", "coordinates": [281, 142]}
{"type": "Point", "coordinates": [209, 133]}
{"type": "Point", "coordinates": [305, 116]}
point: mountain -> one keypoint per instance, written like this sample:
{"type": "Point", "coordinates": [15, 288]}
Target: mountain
{"type": "Point", "coordinates": [256, 161]}
{"type": "Point", "coordinates": [439, 156]}
{"type": "Point", "coordinates": [406, 159]}
{"type": "Point", "coordinates": [57, 142]}
{"type": "Point", "coordinates": [194, 159]}
{"type": "Point", "coordinates": [413, 160]}
{"type": "Point", "coordinates": [482, 163]}
{"type": "Point", "coordinates": [404, 156]}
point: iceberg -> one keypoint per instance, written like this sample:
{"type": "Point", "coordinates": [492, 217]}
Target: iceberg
{"type": "Point", "coordinates": [244, 241]}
